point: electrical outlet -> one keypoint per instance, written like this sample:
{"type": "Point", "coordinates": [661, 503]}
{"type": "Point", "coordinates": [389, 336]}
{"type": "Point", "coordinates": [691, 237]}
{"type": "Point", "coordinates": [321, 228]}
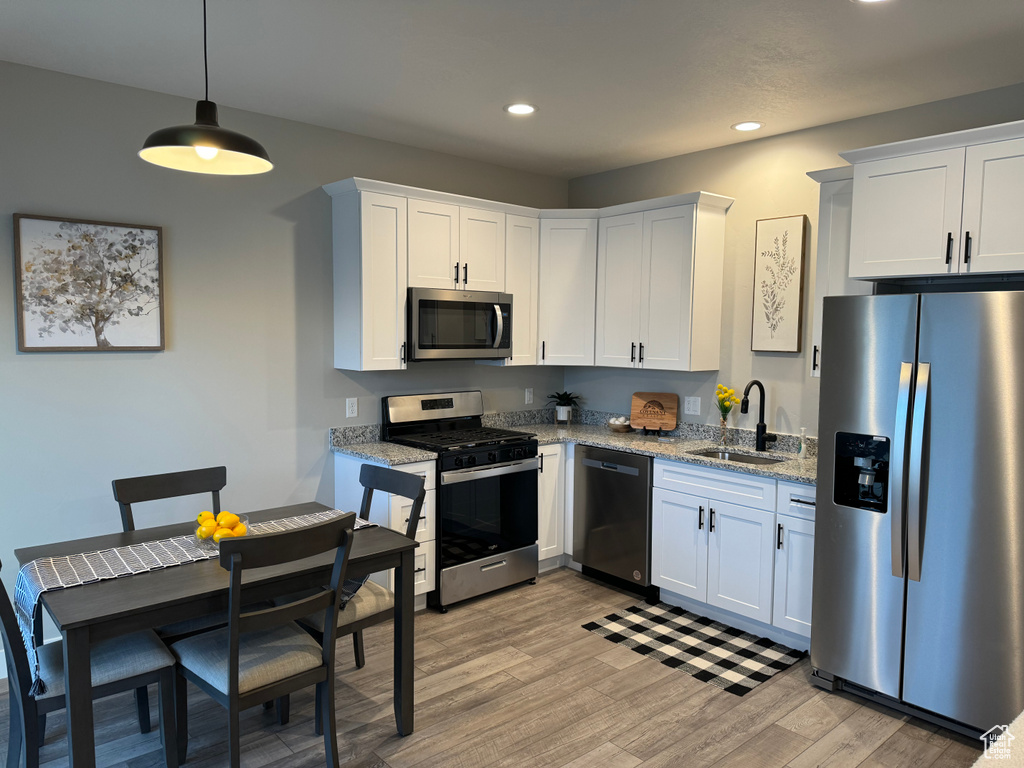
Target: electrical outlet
{"type": "Point", "coordinates": [529, 395]}
{"type": "Point", "coordinates": [691, 406]}
{"type": "Point", "coordinates": [351, 407]}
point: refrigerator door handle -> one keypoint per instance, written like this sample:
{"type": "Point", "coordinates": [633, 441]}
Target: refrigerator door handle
{"type": "Point", "coordinates": [914, 474]}
{"type": "Point", "coordinates": [899, 468]}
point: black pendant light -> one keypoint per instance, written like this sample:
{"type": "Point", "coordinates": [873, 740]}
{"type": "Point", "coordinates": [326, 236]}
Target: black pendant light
{"type": "Point", "coordinates": [206, 147]}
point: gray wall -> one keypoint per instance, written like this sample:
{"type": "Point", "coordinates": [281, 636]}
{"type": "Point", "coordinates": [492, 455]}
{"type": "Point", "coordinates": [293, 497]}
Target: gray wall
{"type": "Point", "coordinates": [767, 177]}
{"type": "Point", "coordinates": [247, 378]}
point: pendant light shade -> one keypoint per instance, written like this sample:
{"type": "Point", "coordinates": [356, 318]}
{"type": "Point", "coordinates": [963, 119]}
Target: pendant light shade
{"type": "Point", "coordinates": [206, 147]}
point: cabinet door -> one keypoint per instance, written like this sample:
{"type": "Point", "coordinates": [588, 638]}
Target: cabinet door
{"type": "Point", "coordinates": [369, 282]}
{"type": "Point", "coordinates": [482, 249]}
{"type": "Point", "coordinates": [740, 546]}
{"type": "Point", "coordinates": [906, 215]}
{"type": "Point", "coordinates": [619, 256]}
{"type": "Point", "coordinates": [794, 560]}
{"type": "Point", "coordinates": [667, 297]}
{"type": "Point", "coordinates": [832, 268]}
{"type": "Point", "coordinates": [568, 281]}
{"type": "Point", "coordinates": [522, 275]}
{"type": "Point", "coordinates": [433, 244]}
{"type": "Point", "coordinates": [993, 202]}
{"type": "Point", "coordinates": [400, 511]}
{"type": "Point", "coordinates": [551, 502]}
{"type": "Point", "coordinates": [679, 543]}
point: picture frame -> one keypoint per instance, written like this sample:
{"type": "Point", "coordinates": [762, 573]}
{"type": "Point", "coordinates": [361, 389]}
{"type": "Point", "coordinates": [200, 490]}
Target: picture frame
{"type": "Point", "coordinates": [778, 293]}
{"type": "Point", "coordinates": [88, 286]}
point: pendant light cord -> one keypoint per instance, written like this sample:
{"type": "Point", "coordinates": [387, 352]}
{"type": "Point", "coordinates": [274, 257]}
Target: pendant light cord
{"type": "Point", "coordinates": [206, 62]}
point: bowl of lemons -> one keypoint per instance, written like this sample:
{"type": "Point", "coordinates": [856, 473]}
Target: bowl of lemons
{"type": "Point", "coordinates": [213, 529]}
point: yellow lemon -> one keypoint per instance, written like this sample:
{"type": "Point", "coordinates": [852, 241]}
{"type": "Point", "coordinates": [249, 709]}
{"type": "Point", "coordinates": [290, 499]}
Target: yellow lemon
{"type": "Point", "coordinates": [203, 532]}
{"type": "Point", "coordinates": [240, 530]}
{"type": "Point", "coordinates": [210, 524]}
{"type": "Point", "coordinates": [204, 516]}
{"type": "Point", "coordinates": [227, 519]}
{"type": "Point", "coordinates": [222, 533]}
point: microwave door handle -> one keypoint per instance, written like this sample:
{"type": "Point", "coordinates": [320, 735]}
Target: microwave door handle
{"type": "Point", "coordinates": [501, 326]}
{"type": "Point", "coordinates": [898, 471]}
{"type": "Point", "coordinates": [914, 475]}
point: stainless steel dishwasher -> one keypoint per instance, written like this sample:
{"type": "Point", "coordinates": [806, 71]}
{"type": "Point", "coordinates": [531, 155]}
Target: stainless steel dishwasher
{"type": "Point", "coordinates": [611, 528]}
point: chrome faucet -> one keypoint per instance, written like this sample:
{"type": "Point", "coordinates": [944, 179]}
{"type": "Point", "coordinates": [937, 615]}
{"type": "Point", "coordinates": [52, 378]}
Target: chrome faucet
{"type": "Point", "coordinates": [763, 437]}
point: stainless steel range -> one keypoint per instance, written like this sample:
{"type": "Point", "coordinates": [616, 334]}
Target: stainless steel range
{"type": "Point", "coordinates": [486, 492]}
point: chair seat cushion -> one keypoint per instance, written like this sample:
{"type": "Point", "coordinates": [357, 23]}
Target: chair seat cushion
{"type": "Point", "coordinates": [264, 657]}
{"type": "Point", "coordinates": [371, 599]}
{"type": "Point", "coordinates": [112, 660]}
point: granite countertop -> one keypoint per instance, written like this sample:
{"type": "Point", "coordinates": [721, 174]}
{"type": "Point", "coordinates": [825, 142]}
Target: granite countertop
{"type": "Point", "coordinates": [792, 468]}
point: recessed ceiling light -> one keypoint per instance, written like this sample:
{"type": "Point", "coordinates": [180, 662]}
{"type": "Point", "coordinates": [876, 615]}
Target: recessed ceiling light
{"type": "Point", "coordinates": [747, 125]}
{"type": "Point", "coordinates": [520, 109]}
{"type": "Point", "coordinates": [867, 1]}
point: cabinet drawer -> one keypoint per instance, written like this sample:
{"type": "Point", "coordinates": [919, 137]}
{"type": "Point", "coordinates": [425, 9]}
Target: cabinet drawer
{"type": "Point", "coordinates": [423, 569]}
{"type": "Point", "coordinates": [425, 469]}
{"type": "Point", "coordinates": [717, 484]}
{"type": "Point", "coordinates": [796, 499]}
{"type": "Point", "coordinates": [400, 511]}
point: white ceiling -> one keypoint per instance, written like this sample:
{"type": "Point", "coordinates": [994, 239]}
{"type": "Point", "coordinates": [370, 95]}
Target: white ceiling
{"type": "Point", "coordinates": [617, 82]}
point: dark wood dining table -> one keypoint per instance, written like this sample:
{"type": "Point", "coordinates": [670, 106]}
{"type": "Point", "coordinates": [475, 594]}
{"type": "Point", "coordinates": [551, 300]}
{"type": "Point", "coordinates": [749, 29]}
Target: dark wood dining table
{"type": "Point", "coordinates": [105, 609]}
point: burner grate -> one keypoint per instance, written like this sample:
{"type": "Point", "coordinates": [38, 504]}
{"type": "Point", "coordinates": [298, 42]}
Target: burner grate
{"type": "Point", "coordinates": [463, 438]}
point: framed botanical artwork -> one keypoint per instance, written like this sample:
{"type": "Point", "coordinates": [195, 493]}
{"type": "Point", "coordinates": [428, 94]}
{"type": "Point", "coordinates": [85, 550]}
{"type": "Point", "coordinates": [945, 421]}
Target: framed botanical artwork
{"type": "Point", "coordinates": [87, 285]}
{"type": "Point", "coordinates": [778, 284]}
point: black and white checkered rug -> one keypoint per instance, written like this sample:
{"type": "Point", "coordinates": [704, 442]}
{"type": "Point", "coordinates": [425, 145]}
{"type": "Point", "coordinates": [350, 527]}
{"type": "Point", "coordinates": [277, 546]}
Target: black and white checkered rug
{"type": "Point", "coordinates": [734, 661]}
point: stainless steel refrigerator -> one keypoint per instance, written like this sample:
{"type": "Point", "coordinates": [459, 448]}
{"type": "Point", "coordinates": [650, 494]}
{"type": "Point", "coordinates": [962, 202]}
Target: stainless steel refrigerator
{"type": "Point", "coordinates": [919, 529]}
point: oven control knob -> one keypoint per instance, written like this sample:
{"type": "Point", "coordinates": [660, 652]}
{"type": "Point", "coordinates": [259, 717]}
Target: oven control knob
{"type": "Point", "coordinates": [470, 461]}
{"type": "Point", "coordinates": [458, 461]}
{"type": "Point", "coordinates": [492, 456]}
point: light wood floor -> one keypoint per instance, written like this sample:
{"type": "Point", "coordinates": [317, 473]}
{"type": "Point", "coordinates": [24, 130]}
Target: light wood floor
{"type": "Point", "coordinates": [513, 680]}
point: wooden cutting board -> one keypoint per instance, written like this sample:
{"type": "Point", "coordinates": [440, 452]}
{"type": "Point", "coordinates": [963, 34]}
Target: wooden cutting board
{"type": "Point", "coordinates": [654, 410]}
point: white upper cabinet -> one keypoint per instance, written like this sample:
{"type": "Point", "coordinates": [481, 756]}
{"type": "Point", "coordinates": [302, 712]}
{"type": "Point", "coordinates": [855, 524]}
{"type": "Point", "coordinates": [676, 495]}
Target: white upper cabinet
{"type": "Point", "coordinates": [482, 249]}
{"type": "Point", "coordinates": [906, 215]}
{"type": "Point", "coordinates": [619, 267]}
{"type": "Point", "coordinates": [659, 286]}
{"type": "Point", "coordinates": [568, 276]}
{"type": "Point", "coordinates": [993, 223]}
{"type": "Point", "coordinates": [369, 281]}
{"type": "Point", "coordinates": [522, 278]}
{"type": "Point", "coordinates": [943, 205]}
{"type": "Point", "coordinates": [433, 244]}
{"type": "Point", "coordinates": [832, 267]}
{"type": "Point", "coordinates": [452, 246]}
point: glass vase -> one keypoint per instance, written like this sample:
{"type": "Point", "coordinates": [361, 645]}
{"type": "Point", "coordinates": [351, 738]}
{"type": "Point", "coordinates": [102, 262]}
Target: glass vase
{"type": "Point", "coordinates": [724, 432]}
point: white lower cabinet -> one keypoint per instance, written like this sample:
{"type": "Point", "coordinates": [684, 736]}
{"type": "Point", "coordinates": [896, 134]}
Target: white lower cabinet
{"type": "Point", "coordinates": [712, 551]}
{"type": "Point", "coordinates": [393, 512]}
{"type": "Point", "coordinates": [551, 502]}
{"type": "Point", "coordinates": [743, 558]}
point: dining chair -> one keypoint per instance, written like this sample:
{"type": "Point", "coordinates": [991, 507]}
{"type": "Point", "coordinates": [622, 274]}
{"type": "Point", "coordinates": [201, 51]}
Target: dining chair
{"type": "Point", "coordinates": [263, 654]}
{"type": "Point", "coordinates": [118, 665]}
{"type": "Point", "coordinates": [137, 490]}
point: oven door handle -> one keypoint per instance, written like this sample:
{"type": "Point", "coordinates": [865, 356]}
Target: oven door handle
{"type": "Point", "coordinates": [494, 470]}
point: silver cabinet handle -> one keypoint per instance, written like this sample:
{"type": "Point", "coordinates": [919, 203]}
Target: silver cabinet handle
{"type": "Point", "coordinates": [914, 474]}
{"type": "Point", "coordinates": [501, 326]}
{"type": "Point", "coordinates": [896, 471]}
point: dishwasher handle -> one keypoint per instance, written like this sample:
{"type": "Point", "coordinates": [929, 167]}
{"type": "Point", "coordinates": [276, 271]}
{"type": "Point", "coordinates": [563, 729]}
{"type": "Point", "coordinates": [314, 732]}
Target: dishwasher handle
{"type": "Point", "coordinates": [610, 467]}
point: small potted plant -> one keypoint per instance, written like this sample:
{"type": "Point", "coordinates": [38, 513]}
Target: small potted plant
{"type": "Point", "coordinates": [564, 402]}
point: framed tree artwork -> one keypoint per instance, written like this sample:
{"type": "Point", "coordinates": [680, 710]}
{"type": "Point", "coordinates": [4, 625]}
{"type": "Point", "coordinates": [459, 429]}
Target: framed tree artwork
{"type": "Point", "coordinates": [87, 285]}
{"type": "Point", "coordinates": [778, 284]}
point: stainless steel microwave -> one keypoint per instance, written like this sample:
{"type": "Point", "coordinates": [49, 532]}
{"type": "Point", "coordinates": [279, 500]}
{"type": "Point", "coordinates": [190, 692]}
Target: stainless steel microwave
{"type": "Point", "coordinates": [459, 325]}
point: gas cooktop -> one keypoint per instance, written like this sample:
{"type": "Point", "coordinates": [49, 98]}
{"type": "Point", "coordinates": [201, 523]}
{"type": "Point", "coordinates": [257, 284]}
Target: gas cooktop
{"type": "Point", "coordinates": [462, 439]}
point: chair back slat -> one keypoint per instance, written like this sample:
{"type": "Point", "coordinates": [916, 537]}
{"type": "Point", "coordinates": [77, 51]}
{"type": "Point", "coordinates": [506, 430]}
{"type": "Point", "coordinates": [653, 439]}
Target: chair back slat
{"type": "Point", "coordinates": [409, 486]}
{"type": "Point", "coordinates": [265, 618]}
{"type": "Point", "coordinates": [14, 645]}
{"type": "Point", "coordinates": [134, 490]}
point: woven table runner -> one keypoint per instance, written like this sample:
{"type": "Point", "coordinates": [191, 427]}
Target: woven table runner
{"type": "Point", "coordinates": [51, 573]}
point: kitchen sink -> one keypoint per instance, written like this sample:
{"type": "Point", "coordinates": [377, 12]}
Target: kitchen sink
{"type": "Point", "coordinates": [742, 458]}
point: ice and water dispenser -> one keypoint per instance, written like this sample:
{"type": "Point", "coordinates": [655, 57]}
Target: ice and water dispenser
{"type": "Point", "coordinates": [861, 478]}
